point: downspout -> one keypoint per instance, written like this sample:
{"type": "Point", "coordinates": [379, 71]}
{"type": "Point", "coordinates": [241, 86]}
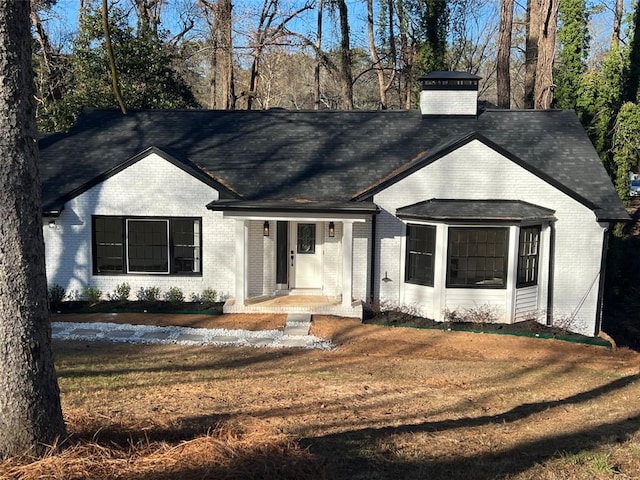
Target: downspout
{"type": "Point", "coordinates": [603, 269]}
{"type": "Point", "coordinates": [552, 247]}
{"type": "Point", "coordinates": [372, 261]}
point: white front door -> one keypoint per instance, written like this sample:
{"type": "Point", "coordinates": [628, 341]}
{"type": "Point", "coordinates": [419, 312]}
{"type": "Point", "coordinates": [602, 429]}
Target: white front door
{"type": "Point", "coordinates": [306, 251]}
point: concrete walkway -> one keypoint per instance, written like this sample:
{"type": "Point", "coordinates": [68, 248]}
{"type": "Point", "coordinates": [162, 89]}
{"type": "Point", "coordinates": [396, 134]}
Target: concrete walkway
{"type": "Point", "coordinates": [296, 334]}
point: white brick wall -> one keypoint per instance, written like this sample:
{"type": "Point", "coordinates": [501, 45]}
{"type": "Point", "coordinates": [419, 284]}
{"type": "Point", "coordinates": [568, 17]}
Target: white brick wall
{"type": "Point", "coordinates": [154, 187]}
{"type": "Point", "coordinates": [256, 259]}
{"type": "Point", "coordinates": [477, 172]}
{"type": "Point", "coordinates": [332, 264]}
{"type": "Point", "coordinates": [443, 102]}
{"type": "Point", "coordinates": [361, 256]}
{"type": "Point", "coordinates": [151, 187]}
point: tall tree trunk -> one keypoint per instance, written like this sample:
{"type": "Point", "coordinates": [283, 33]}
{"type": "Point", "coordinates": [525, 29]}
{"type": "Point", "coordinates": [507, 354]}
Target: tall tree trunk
{"type": "Point", "coordinates": [632, 85]}
{"type": "Point", "coordinates": [50, 74]}
{"type": "Point", "coordinates": [221, 79]}
{"type": "Point", "coordinates": [546, 53]}
{"type": "Point", "coordinates": [149, 13]}
{"type": "Point", "coordinates": [346, 76]}
{"type": "Point", "coordinates": [31, 415]}
{"type": "Point", "coordinates": [253, 77]}
{"type": "Point", "coordinates": [213, 69]}
{"type": "Point", "coordinates": [406, 57]}
{"type": "Point", "coordinates": [503, 76]}
{"type": "Point", "coordinates": [532, 22]}
{"type": "Point", "coordinates": [617, 22]}
{"type": "Point", "coordinates": [225, 45]}
{"type": "Point", "coordinates": [43, 40]}
{"type": "Point", "coordinates": [316, 76]}
{"type": "Point", "coordinates": [112, 61]}
{"type": "Point", "coordinates": [435, 23]}
{"type": "Point", "coordinates": [375, 58]}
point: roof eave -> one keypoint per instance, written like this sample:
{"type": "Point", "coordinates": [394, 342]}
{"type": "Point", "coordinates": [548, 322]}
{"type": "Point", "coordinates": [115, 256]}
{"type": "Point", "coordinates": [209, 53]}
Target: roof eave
{"type": "Point", "coordinates": [483, 219]}
{"type": "Point", "coordinates": [240, 208]}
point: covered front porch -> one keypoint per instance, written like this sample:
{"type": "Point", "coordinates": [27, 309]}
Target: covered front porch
{"type": "Point", "coordinates": [310, 304]}
{"type": "Point", "coordinates": [299, 257]}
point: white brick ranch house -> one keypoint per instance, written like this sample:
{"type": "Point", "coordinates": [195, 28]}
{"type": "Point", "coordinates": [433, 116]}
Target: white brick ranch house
{"type": "Point", "coordinates": [439, 210]}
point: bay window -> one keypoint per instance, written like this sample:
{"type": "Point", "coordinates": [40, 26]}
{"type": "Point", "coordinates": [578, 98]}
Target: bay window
{"type": "Point", "coordinates": [477, 257]}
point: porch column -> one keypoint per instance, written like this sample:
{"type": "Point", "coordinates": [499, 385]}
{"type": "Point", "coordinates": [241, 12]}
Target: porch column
{"type": "Point", "coordinates": [242, 235]}
{"type": "Point", "coordinates": [347, 262]}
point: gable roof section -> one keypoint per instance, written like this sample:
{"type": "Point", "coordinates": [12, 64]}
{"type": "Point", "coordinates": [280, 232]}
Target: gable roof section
{"type": "Point", "coordinates": [53, 206]}
{"type": "Point", "coordinates": [454, 145]}
{"type": "Point", "coordinates": [322, 156]}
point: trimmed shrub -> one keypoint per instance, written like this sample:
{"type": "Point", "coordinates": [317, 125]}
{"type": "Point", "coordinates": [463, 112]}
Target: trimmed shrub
{"type": "Point", "coordinates": [174, 295]}
{"type": "Point", "coordinates": [209, 296]}
{"type": "Point", "coordinates": [121, 292]}
{"type": "Point", "coordinates": [149, 294]}
{"type": "Point", "coordinates": [92, 294]}
{"type": "Point", "coordinates": [56, 295]}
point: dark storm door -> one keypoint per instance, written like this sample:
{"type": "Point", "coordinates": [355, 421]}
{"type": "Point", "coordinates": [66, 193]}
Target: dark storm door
{"type": "Point", "coordinates": [282, 258]}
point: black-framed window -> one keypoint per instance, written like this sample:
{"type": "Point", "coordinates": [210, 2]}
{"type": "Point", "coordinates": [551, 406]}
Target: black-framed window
{"type": "Point", "coordinates": [147, 246]}
{"type": "Point", "coordinates": [528, 256]}
{"type": "Point", "coordinates": [419, 264]}
{"type": "Point", "coordinates": [108, 245]}
{"type": "Point", "coordinates": [477, 257]}
{"type": "Point", "coordinates": [157, 246]}
{"type": "Point", "coordinates": [185, 233]}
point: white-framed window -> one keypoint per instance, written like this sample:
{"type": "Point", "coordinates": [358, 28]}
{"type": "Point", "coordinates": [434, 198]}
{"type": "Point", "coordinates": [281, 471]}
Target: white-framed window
{"type": "Point", "coordinates": [528, 256]}
{"type": "Point", "coordinates": [477, 257]}
{"type": "Point", "coordinates": [419, 264]}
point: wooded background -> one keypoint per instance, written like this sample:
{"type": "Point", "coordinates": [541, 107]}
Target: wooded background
{"type": "Point", "coordinates": [330, 54]}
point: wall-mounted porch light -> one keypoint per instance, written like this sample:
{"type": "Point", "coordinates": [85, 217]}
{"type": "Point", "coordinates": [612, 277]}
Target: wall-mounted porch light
{"type": "Point", "coordinates": [265, 229]}
{"type": "Point", "coordinates": [332, 229]}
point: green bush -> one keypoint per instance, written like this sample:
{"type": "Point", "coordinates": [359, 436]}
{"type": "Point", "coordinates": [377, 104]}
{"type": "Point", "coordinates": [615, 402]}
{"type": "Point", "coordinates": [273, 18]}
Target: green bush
{"type": "Point", "coordinates": [208, 296]}
{"type": "Point", "coordinates": [56, 295]}
{"type": "Point", "coordinates": [92, 294]}
{"type": "Point", "coordinates": [150, 294]}
{"type": "Point", "coordinates": [121, 292]}
{"type": "Point", "coordinates": [174, 295]}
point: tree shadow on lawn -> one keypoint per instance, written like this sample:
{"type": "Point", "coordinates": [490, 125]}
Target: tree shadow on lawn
{"type": "Point", "coordinates": [354, 454]}
{"type": "Point", "coordinates": [347, 456]}
{"type": "Point", "coordinates": [115, 359]}
{"type": "Point", "coordinates": [360, 454]}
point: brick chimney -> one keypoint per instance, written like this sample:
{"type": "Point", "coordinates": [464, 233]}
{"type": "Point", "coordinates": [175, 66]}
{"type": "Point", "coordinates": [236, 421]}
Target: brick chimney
{"type": "Point", "coordinates": [449, 93]}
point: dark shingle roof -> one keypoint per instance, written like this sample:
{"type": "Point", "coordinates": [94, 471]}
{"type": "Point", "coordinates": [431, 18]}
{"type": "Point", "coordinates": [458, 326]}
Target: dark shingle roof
{"type": "Point", "coordinates": [470, 210]}
{"type": "Point", "coordinates": [327, 156]}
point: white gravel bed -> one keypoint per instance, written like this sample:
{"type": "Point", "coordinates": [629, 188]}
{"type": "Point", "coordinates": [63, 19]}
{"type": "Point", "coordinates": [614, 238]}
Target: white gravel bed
{"type": "Point", "coordinates": [147, 334]}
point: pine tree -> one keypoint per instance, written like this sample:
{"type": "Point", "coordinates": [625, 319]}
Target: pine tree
{"type": "Point", "coordinates": [31, 415]}
{"type": "Point", "coordinates": [573, 37]}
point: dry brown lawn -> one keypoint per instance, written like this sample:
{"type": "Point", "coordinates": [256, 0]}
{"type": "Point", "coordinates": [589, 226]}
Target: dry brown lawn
{"type": "Point", "coordinates": [393, 403]}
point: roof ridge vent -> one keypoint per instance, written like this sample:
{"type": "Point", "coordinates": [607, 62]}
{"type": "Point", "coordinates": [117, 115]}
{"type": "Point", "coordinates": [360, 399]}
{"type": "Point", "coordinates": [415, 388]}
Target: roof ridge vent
{"type": "Point", "coordinates": [449, 93]}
